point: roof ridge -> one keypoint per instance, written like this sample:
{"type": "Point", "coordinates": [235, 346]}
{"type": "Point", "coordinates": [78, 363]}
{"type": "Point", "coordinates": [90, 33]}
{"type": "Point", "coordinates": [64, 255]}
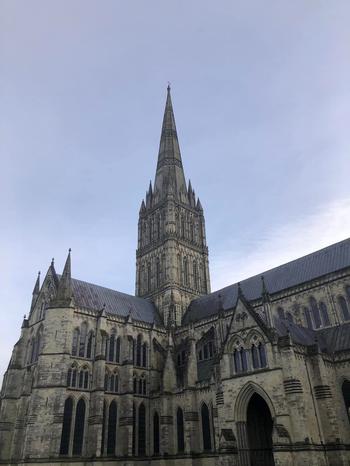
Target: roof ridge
{"type": "Point", "coordinates": [106, 288]}
{"type": "Point", "coordinates": [318, 251]}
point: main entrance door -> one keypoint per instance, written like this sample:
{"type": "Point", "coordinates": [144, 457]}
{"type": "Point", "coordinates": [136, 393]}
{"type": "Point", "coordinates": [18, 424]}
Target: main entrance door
{"type": "Point", "coordinates": [259, 429]}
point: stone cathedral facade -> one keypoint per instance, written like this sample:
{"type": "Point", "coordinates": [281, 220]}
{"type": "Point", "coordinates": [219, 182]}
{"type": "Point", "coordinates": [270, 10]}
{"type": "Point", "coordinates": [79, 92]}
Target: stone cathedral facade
{"type": "Point", "coordinates": [255, 374]}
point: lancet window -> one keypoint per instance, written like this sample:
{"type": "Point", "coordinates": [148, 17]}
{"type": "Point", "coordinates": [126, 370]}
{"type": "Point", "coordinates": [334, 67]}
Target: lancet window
{"type": "Point", "coordinates": [78, 378]}
{"type": "Point", "coordinates": [206, 427]}
{"type": "Point", "coordinates": [73, 426]}
{"type": "Point", "coordinates": [344, 307]}
{"type": "Point", "coordinates": [113, 346]}
{"type": "Point", "coordinates": [111, 382]}
{"type": "Point", "coordinates": [141, 352]}
{"type": "Point", "coordinates": [180, 430]}
{"type": "Point", "coordinates": [83, 342]}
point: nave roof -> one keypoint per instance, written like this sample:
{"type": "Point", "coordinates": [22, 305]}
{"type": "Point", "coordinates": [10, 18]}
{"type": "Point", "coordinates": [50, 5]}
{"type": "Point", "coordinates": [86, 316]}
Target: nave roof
{"type": "Point", "coordinates": [305, 269]}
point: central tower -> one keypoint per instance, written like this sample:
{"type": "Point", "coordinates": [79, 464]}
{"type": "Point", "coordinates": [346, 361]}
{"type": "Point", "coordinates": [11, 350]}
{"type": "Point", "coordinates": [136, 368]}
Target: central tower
{"type": "Point", "coordinates": [172, 265]}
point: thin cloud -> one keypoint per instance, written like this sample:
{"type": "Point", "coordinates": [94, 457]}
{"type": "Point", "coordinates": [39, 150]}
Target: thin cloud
{"type": "Point", "coordinates": [283, 243]}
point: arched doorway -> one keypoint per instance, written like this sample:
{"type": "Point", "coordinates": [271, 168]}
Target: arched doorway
{"type": "Point", "coordinates": [259, 431]}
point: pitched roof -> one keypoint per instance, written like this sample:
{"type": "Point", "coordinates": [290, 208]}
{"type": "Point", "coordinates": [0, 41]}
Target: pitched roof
{"type": "Point", "coordinates": [90, 296]}
{"type": "Point", "coordinates": [330, 259]}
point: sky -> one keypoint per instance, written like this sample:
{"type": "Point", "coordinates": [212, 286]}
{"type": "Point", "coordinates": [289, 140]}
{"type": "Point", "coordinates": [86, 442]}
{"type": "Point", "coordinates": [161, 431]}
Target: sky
{"type": "Point", "coordinates": [261, 95]}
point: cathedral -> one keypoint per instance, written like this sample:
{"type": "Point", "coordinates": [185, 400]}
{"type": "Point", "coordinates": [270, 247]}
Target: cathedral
{"type": "Point", "coordinates": [254, 374]}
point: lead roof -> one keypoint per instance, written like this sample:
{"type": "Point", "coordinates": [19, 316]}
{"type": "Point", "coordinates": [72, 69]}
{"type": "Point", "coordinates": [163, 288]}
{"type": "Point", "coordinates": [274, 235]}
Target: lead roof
{"type": "Point", "coordinates": [94, 297]}
{"type": "Point", "coordinates": [305, 269]}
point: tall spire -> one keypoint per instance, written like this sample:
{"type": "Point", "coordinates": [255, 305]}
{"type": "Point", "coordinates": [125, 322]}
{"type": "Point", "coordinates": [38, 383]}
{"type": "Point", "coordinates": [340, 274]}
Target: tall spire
{"type": "Point", "coordinates": [170, 176]}
{"type": "Point", "coordinates": [64, 291]}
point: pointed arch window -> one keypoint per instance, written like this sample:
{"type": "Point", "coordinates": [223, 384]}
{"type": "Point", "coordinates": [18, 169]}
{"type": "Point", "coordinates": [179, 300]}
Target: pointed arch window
{"type": "Point", "coordinates": [156, 433]}
{"type": "Point", "coordinates": [142, 430]}
{"type": "Point", "coordinates": [112, 344]}
{"type": "Point", "coordinates": [255, 357]}
{"type": "Point", "coordinates": [144, 355]}
{"type": "Point", "coordinates": [66, 426]}
{"type": "Point", "coordinates": [149, 276]}
{"type": "Point", "coordinates": [308, 319]}
{"type": "Point", "coordinates": [103, 436]}
{"type": "Point", "coordinates": [315, 312]}
{"type": "Point", "coordinates": [344, 307]}
{"type": "Point", "coordinates": [237, 361]}
{"type": "Point", "coordinates": [133, 429]}
{"type": "Point", "coordinates": [289, 317]}
{"type": "Point", "coordinates": [79, 425]}
{"type": "Point", "coordinates": [179, 268]}
{"type": "Point", "coordinates": [280, 312]}
{"type": "Point", "coordinates": [72, 376]}
{"type": "Point", "coordinates": [83, 335]}
{"type": "Point", "coordinates": [138, 350]}
{"type": "Point", "coordinates": [347, 289]}
{"type": "Point", "coordinates": [112, 428]}
{"type": "Point", "coordinates": [185, 271]}
{"type": "Point", "coordinates": [206, 427]}
{"type": "Point", "coordinates": [324, 314]}
{"type": "Point", "coordinates": [262, 355]}
{"type": "Point", "coordinates": [180, 430]}
{"type": "Point", "coordinates": [89, 345]}
{"type": "Point", "coordinates": [244, 363]}
{"type": "Point", "coordinates": [195, 275]}
{"type": "Point", "coordinates": [158, 227]}
{"type": "Point", "coordinates": [158, 273]}
{"type": "Point", "coordinates": [75, 342]}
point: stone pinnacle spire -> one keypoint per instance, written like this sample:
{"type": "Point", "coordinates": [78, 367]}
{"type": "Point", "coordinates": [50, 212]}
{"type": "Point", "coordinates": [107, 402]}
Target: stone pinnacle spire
{"type": "Point", "coordinates": [64, 290]}
{"type": "Point", "coordinates": [36, 292]}
{"type": "Point", "coordinates": [170, 176]}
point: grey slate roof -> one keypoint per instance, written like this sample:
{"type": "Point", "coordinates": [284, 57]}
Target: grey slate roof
{"type": "Point", "coordinates": [90, 296]}
{"type": "Point", "coordinates": [335, 339]}
{"type": "Point", "coordinates": [302, 270]}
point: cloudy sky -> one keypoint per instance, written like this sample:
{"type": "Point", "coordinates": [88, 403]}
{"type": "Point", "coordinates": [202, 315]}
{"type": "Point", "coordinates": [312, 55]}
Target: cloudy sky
{"type": "Point", "coordinates": [261, 96]}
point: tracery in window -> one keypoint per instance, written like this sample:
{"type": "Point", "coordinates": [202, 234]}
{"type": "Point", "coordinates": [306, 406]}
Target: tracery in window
{"type": "Point", "coordinates": [111, 382]}
{"type": "Point", "coordinates": [83, 342]}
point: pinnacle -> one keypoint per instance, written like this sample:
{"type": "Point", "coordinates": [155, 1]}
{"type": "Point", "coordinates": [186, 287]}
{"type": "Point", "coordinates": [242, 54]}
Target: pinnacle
{"type": "Point", "coordinates": [64, 291]}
